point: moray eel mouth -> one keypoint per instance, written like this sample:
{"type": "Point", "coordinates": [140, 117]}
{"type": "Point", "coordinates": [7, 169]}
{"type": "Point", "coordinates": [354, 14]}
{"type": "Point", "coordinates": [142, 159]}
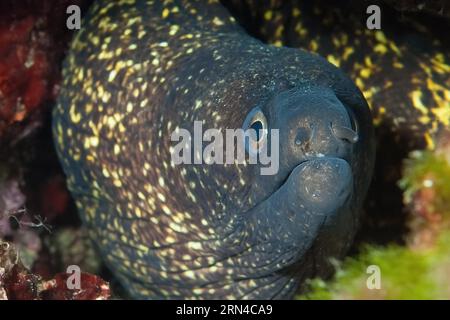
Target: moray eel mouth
{"type": "Point", "coordinates": [314, 194]}
{"type": "Point", "coordinates": [319, 185]}
{"type": "Point", "coordinates": [324, 183]}
{"type": "Point", "coordinates": [304, 220]}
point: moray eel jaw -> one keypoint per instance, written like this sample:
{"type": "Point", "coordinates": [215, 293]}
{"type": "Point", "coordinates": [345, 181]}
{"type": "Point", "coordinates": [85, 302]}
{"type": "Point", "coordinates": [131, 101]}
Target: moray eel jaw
{"type": "Point", "coordinates": [322, 185]}
{"type": "Point", "coordinates": [311, 204]}
{"type": "Point", "coordinates": [314, 192]}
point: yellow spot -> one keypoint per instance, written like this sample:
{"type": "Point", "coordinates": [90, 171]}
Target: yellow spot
{"type": "Point", "coordinates": [379, 35]}
{"type": "Point", "coordinates": [198, 104]}
{"type": "Point", "coordinates": [394, 48]}
{"type": "Point", "coordinates": [91, 142]}
{"type": "Point", "coordinates": [112, 75]}
{"type": "Point", "coordinates": [278, 43]}
{"type": "Point", "coordinates": [178, 228]}
{"type": "Point", "coordinates": [332, 59]}
{"type": "Point", "coordinates": [88, 108]}
{"type": "Point", "coordinates": [313, 45]}
{"type": "Point", "coordinates": [106, 96]}
{"type": "Point", "coordinates": [268, 15]}
{"type": "Point", "coordinates": [141, 195]}
{"type": "Point", "coordinates": [416, 97]}
{"type": "Point", "coordinates": [141, 34]}
{"type": "Point", "coordinates": [380, 48]}
{"type": "Point", "coordinates": [388, 84]}
{"type": "Point", "coordinates": [365, 73]}
{"type": "Point", "coordinates": [438, 64]}
{"type": "Point", "coordinates": [143, 103]}
{"type": "Point", "coordinates": [75, 117]}
{"type": "Point", "coordinates": [165, 13]}
{"type": "Point", "coordinates": [368, 62]}
{"type": "Point", "coordinates": [336, 42]}
{"type": "Point", "coordinates": [429, 141]}
{"type": "Point", "coordinates": [166, 209]}
{"type": "Point", "coordinates": [129, 107]}
{"type": "Point", "coordinates": [443, 113]}
{"type": "Point", "coordinates": [111, 122]}
{"type": "Point", "coordinates": [170, 239]}
{"type": "Point", "coordinates": [95, 40]}
{"type": "Point", "coordinates": [105, 173]}
{"type": "Point", "coordinates": [138, 212]}
{"type": "Point", "coordinates": [217, 21]}
{"type": "Point", "coordinates": [347, 52]}
{"type": "Point", "coordinates": [174, 29]}
{"type": "Point", "coordinates": [279, 31]}
{"type": "Point", "coordinates": [424, 119]}
{"type": "Point", "coordinates": [195, 245]}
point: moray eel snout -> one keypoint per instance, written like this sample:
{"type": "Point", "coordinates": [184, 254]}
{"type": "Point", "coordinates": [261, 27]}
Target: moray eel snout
{"type": "Point", "coordinates": [315, 174]}
{"type": "Point", "coordinates": [326, 144]}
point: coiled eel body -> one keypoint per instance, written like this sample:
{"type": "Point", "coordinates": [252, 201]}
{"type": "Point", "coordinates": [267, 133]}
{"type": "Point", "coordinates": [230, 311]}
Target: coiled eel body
{"type": "Point", "coordinates": [140, 70]}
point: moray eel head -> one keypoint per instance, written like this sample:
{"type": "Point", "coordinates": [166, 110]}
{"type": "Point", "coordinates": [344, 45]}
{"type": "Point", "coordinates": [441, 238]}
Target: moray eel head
{"type": "Point", "coordinates": [316, 133]}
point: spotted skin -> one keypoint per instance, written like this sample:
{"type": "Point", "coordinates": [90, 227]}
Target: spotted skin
{"type": "Point", "coordinates": [140, 70]}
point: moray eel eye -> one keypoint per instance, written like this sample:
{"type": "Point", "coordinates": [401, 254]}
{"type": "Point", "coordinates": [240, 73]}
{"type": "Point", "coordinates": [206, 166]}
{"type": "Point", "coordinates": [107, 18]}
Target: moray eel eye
{"type": "Point", "coordinates": [256, 124]}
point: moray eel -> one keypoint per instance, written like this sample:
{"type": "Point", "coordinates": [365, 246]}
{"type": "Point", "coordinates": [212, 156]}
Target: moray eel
{"type": "Point", "coordinates": [140, 70]}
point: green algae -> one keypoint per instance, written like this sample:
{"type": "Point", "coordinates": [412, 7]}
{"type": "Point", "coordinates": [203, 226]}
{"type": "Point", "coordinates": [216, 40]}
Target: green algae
{"type": "Point", "coordinates": [406, 272]}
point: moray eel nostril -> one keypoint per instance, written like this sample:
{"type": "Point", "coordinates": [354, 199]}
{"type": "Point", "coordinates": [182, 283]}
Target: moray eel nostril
{"type": "Point", "coordinates": [304, 135]}
{"type": "Point", "coordinates": [142, 71]}
{"type": "Point", "coordinates": [344, 133]}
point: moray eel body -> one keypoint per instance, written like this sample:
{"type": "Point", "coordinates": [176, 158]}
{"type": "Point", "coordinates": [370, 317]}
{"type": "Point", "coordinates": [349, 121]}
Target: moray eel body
{"type": "Point", "coordinates": [139, 71]}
